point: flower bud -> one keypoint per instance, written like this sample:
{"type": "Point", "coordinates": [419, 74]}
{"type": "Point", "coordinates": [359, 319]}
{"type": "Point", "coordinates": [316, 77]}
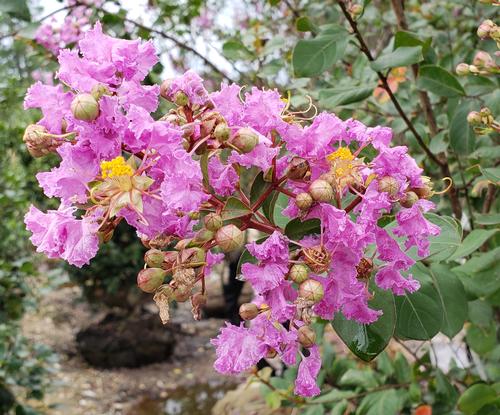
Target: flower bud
{"type": "Point", "coordinates": [154, 258]}
{"type": "Point", "coordinates": [306, 336]}
{"type": "Point", "coordinates": [39, 142]}
{"type": "Point", "coordinates": [321, 191]}
{"type": "Point", "coordinates": [462, 69]}
{"type": "Point", "coordinates": [409, 199]}
{"type": "Point", "coordinates": [484, 28]}
{"type": "Point", "coordinates": [98, 90]}
{"type": "Point", "coordinates": [85, 107]}
{"type": "Point", "coordinates": [356, 10]}
{"type": "Point", "coordinates": [298, 273]}
{"type": "Point", "coordinates": [298, 169]}
{"type": "Point", "coordinates": [389, 185]}
{"type": "Point", "coordinates": [311, 291]}
{"type": "Point", "coordinates": [303, 201]}
{"type": "Point", "coordinates": [222, 132]}
{"type": "Point", "coordinates": [213, 222]}
{"type": "Point", "coordinates": [164, 88]}
{"type": "Point", "coordinates": [474, 118]}
{"type": "Point", "coordinates": [249, 311]}
{"type": "Point", "coordinates": [229, 238]}
{"type": "Point", "coordinates": [426, 190]}
{"type": "Point", "coordinates": [150, 279]}
{"type": "Point", "coordinates": [202, 236]}
{"type": "Point", "coordinates": [181, 99]}
{"type": "Point", "coordinates": [482, 59]}
{"type": "Point", "coordinates": [245, 140]}
{"type": "Point", "coordinates": [486, 116]}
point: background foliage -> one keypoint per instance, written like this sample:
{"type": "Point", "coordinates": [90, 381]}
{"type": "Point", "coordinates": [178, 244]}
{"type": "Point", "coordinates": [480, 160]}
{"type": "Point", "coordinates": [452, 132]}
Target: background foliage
{"type": "Point", "coordinates": [348, 64]}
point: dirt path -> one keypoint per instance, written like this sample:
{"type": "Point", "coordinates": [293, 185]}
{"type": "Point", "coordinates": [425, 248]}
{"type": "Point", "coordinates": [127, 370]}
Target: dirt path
{"type": "Point", "coordinates": [161, 388]}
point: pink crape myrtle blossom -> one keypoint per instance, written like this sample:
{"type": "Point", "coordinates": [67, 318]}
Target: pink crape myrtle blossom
{"type": "Point", "coordinates": [193, 180]}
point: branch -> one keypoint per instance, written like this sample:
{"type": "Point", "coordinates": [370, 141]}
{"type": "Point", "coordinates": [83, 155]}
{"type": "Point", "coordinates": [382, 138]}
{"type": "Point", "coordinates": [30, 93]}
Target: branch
{"type": "Point", "coordinates": [385, 85]}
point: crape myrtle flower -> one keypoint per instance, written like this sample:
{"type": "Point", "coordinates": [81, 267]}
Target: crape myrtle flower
{"type": "Point", "coordinates": [177, 180]}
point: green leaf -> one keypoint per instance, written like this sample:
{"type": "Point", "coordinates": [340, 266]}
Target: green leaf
{"type": "Point", "coordinates": [273, 400]}
{"type": "Point", "coordinates": [368, 340]}
{"type": "Point", "coordinates": [474, 398]}
{"type": "Point", "coordinates": [344, 95]}
{"type": "Point", "coordinates": [403, 56]}
{"type": "Point", "coordinates": [419, 316]}
{"type": "Point", "coordinates": [311, 57]}
{"type": "Point", "coordinates": [439, 81]}
{"type": "Point", "coordinates": [462, 137]}
{"type": "Point", "coordinates": [482, 339]}
{"type": "Point", "coordinates": [402, 369]}
{"type": "Point", "coordinates": [304, 24]}
{"type": "Point", "coordinates": [453, 300]}
{"type": "Point", "coordinates": [487, 219]}
{"type": "Point", "coordinates": [297, 229]}
{"type": "Point", "coordinates": [16, 8]}
{"type": "Point", "coordinates": [235, 50]}
{"type": "Point", "coordinates": [204, 170]}
{"type": "Point", "coordinates": [492, 174]}
{"type": "Point", "coordinates": [438, 143]}
{"type": "Point", "coordinates": [280, 204]}
{"type": "Point", "coordinates": [447, 242]}
{"type": "Point", "coordinates": [473, 241]}
{"type": "Point", "coordinates": [358, 377]}
{"type": "Point", "coordinates": [387, 402]}
{"type": "Point", "coordinates": [314, 410]}
{"type": "Point", "coordinates": [234, 208]}
{"type": "Point", "coordinates": [333, 395]}
{"type": "Point", "coordinates": [479, 85]}
{"type": "Point", "coordinates": [480, 313]}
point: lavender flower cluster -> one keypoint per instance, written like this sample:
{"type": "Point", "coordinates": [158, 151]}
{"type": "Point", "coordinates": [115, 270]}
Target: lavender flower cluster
{"type": "Point", "coordinates": [172, 180]}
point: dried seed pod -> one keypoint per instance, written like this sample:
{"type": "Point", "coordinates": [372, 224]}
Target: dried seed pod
{"type": "Point", "coordinates": [317, 258]}
{"type": "Point", "coordinates": [409, 199]}
{"type": "Point", "coordinates": [248, 311]}
{"type": "Point", "coordinates": [364, 268]}
{"type": "Point", "coordinates": [298, 169]}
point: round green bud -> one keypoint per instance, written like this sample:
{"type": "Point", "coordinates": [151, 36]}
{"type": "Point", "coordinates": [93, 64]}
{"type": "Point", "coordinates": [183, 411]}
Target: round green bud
{"type": "Point", "coordinates": [150, 279]}
{"type": "Point", "coordinates": [181, 99]}
{"type": "Point", "coordinates": [222, 132]}
{"type": "Point", "coordinates": [245, 140]}
{"type": "Point", "coordinates": [321, 191]}
{"type": "Point", "coordinates": [85, 107]}
{"type": "Point", "coordinates": [213, 222]}
{"type": "Point", "coordinates": [312, 291]}
{"type": "Point", "coordinates": [154, 258]}
{"type": "Point", "coordinates": [299, 273]}
{"type": "Point", "coordinates": [389, 185]}
{"type": "Point", "coordinates": [462, 69]}
{"type": "Point", "coordinates": [229, 238]}
{"type": "Point", "coordinates": [304, 201]}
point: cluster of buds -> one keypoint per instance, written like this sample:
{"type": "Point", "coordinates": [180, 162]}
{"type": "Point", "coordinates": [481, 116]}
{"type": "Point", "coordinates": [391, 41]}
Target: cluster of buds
{"type": "Point", "coordinates": [482, 64]}
{"type": "Point", "coordinates": [488, 29]}
{"type": "Point", "coordinates": [483, 121]}
{"type": "Point", "coordinates": [355, 10]}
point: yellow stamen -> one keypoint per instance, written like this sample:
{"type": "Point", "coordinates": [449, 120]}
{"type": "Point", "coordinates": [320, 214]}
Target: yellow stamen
{"type": "Point", "coordinates": [342, 153]}
{"type": "Point", "coordinates": [116, 167]}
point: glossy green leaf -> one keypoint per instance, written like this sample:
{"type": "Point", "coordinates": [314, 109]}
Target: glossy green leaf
{"type": "Point", "coordinates": [368, 340]}
{"type": "Point", "coordinates": [473, 241]}
{"type": "Point", "coordinates": [453, 299]}
{"type": "Point", "coordinates": [280, 204]}
{"type": "Point", "coordinates": [462, 137]}
{"type": "Point", "coordinates": [487, 219]}
{"type": "Point", "coordinates": [474, 398]}
{"type": "Point", "coordinates": [311, 57]}
{"type": "Point", "coordinates": [419, 316]}
{"type": "Point", "coordinates": [439, 81]}
{"type": "Point", "coordinates": [344, 95]}
{"type": "Point", "coordinates": [304, 24]}
{"type": "Point", "coordinates": [359, 377]}
{"type": "Point", "coordinates": [297, 229]}
{"type": "Point", "coordinates": [448, 241]}
{"type": "Point", "coordinates": [234, 208]}
{"type": "Point", "coordinates": [403, 56]}
{"type": "Point", "coordinates": [235, 50]}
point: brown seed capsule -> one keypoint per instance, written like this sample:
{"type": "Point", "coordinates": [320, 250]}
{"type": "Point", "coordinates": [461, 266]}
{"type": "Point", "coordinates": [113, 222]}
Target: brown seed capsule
{"type": "Point", "coordinates": [304, 201]}
{"type": "Point", "coordinates": [150, 279]}
{"type": "Point", "coordinates": [184, 277]}
{"type": "Point", "coordinates": [317, 258]}
{"type": "Point", "coordinates": [181, 293]}
{"type": "Point", "coordinates": [154, 258]}
{"type": "Point", "coordinates": [389, 185]}
{"type": "Point", "coordinates": [85, 107]}
{"type": "Point", "coordinates": [409, 199]}
{"type": "Point", "coordinates": [222, 132]}
{"type": "Point", "coordinates": [198, 300]}
{"type": "Point", "coordinates": [306, 336]}
{"type": "Point", "coordinates": [213, 222]}
{"type": "Point", "coordinates": [249, 311]}
{"type": "Point", "coordinates": [39, 141]}
{"type": "Point", "coordinates": [229, 238]}
{"type": "Point", "coordinates": [245, 140]}
{"type": "Point", "coordinates": [364, 268]}
{"type": "Point", "coordinates": [321, 191]}
{"type": "Point", "coordinates": [298, 273]}
{"type": "Point", "coordinates": [311, 291]}
{"type": "Point", "coordinates": [298, 169]}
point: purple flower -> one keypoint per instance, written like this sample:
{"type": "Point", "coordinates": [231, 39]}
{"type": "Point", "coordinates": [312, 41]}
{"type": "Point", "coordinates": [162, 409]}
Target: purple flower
{"type": "Point", "coordinates": [190, 84]}
{"type": "Point", "coordinates": [395, 162]}
{"type": "Point", "coordinates": [263, 110]}
{"type": "Point", "coordinates": [54, 103]}
{"type": "Point", "coordinates": [237, 349]}
{"type": "Point", "coordinates": [228, 103]}
{"type": "Point", "coordinates": [222, 177]}
{"type": "Point", "coordinates": [274, 248]}
{"type": "Point", "coordinates": [261, 156]}
{"type": "Point", "coordinates": [69, 181]}
{"type": "Point", "coordinates": [417, 229]}
{"type": "Point", "coordinates": [305, 384]}
{"type": "Point", "coordinates": [59, 234]}
{"type": "Point", "coordinates": [390, 278]}
{"type": "Point", "coordinates": [264, 277]}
